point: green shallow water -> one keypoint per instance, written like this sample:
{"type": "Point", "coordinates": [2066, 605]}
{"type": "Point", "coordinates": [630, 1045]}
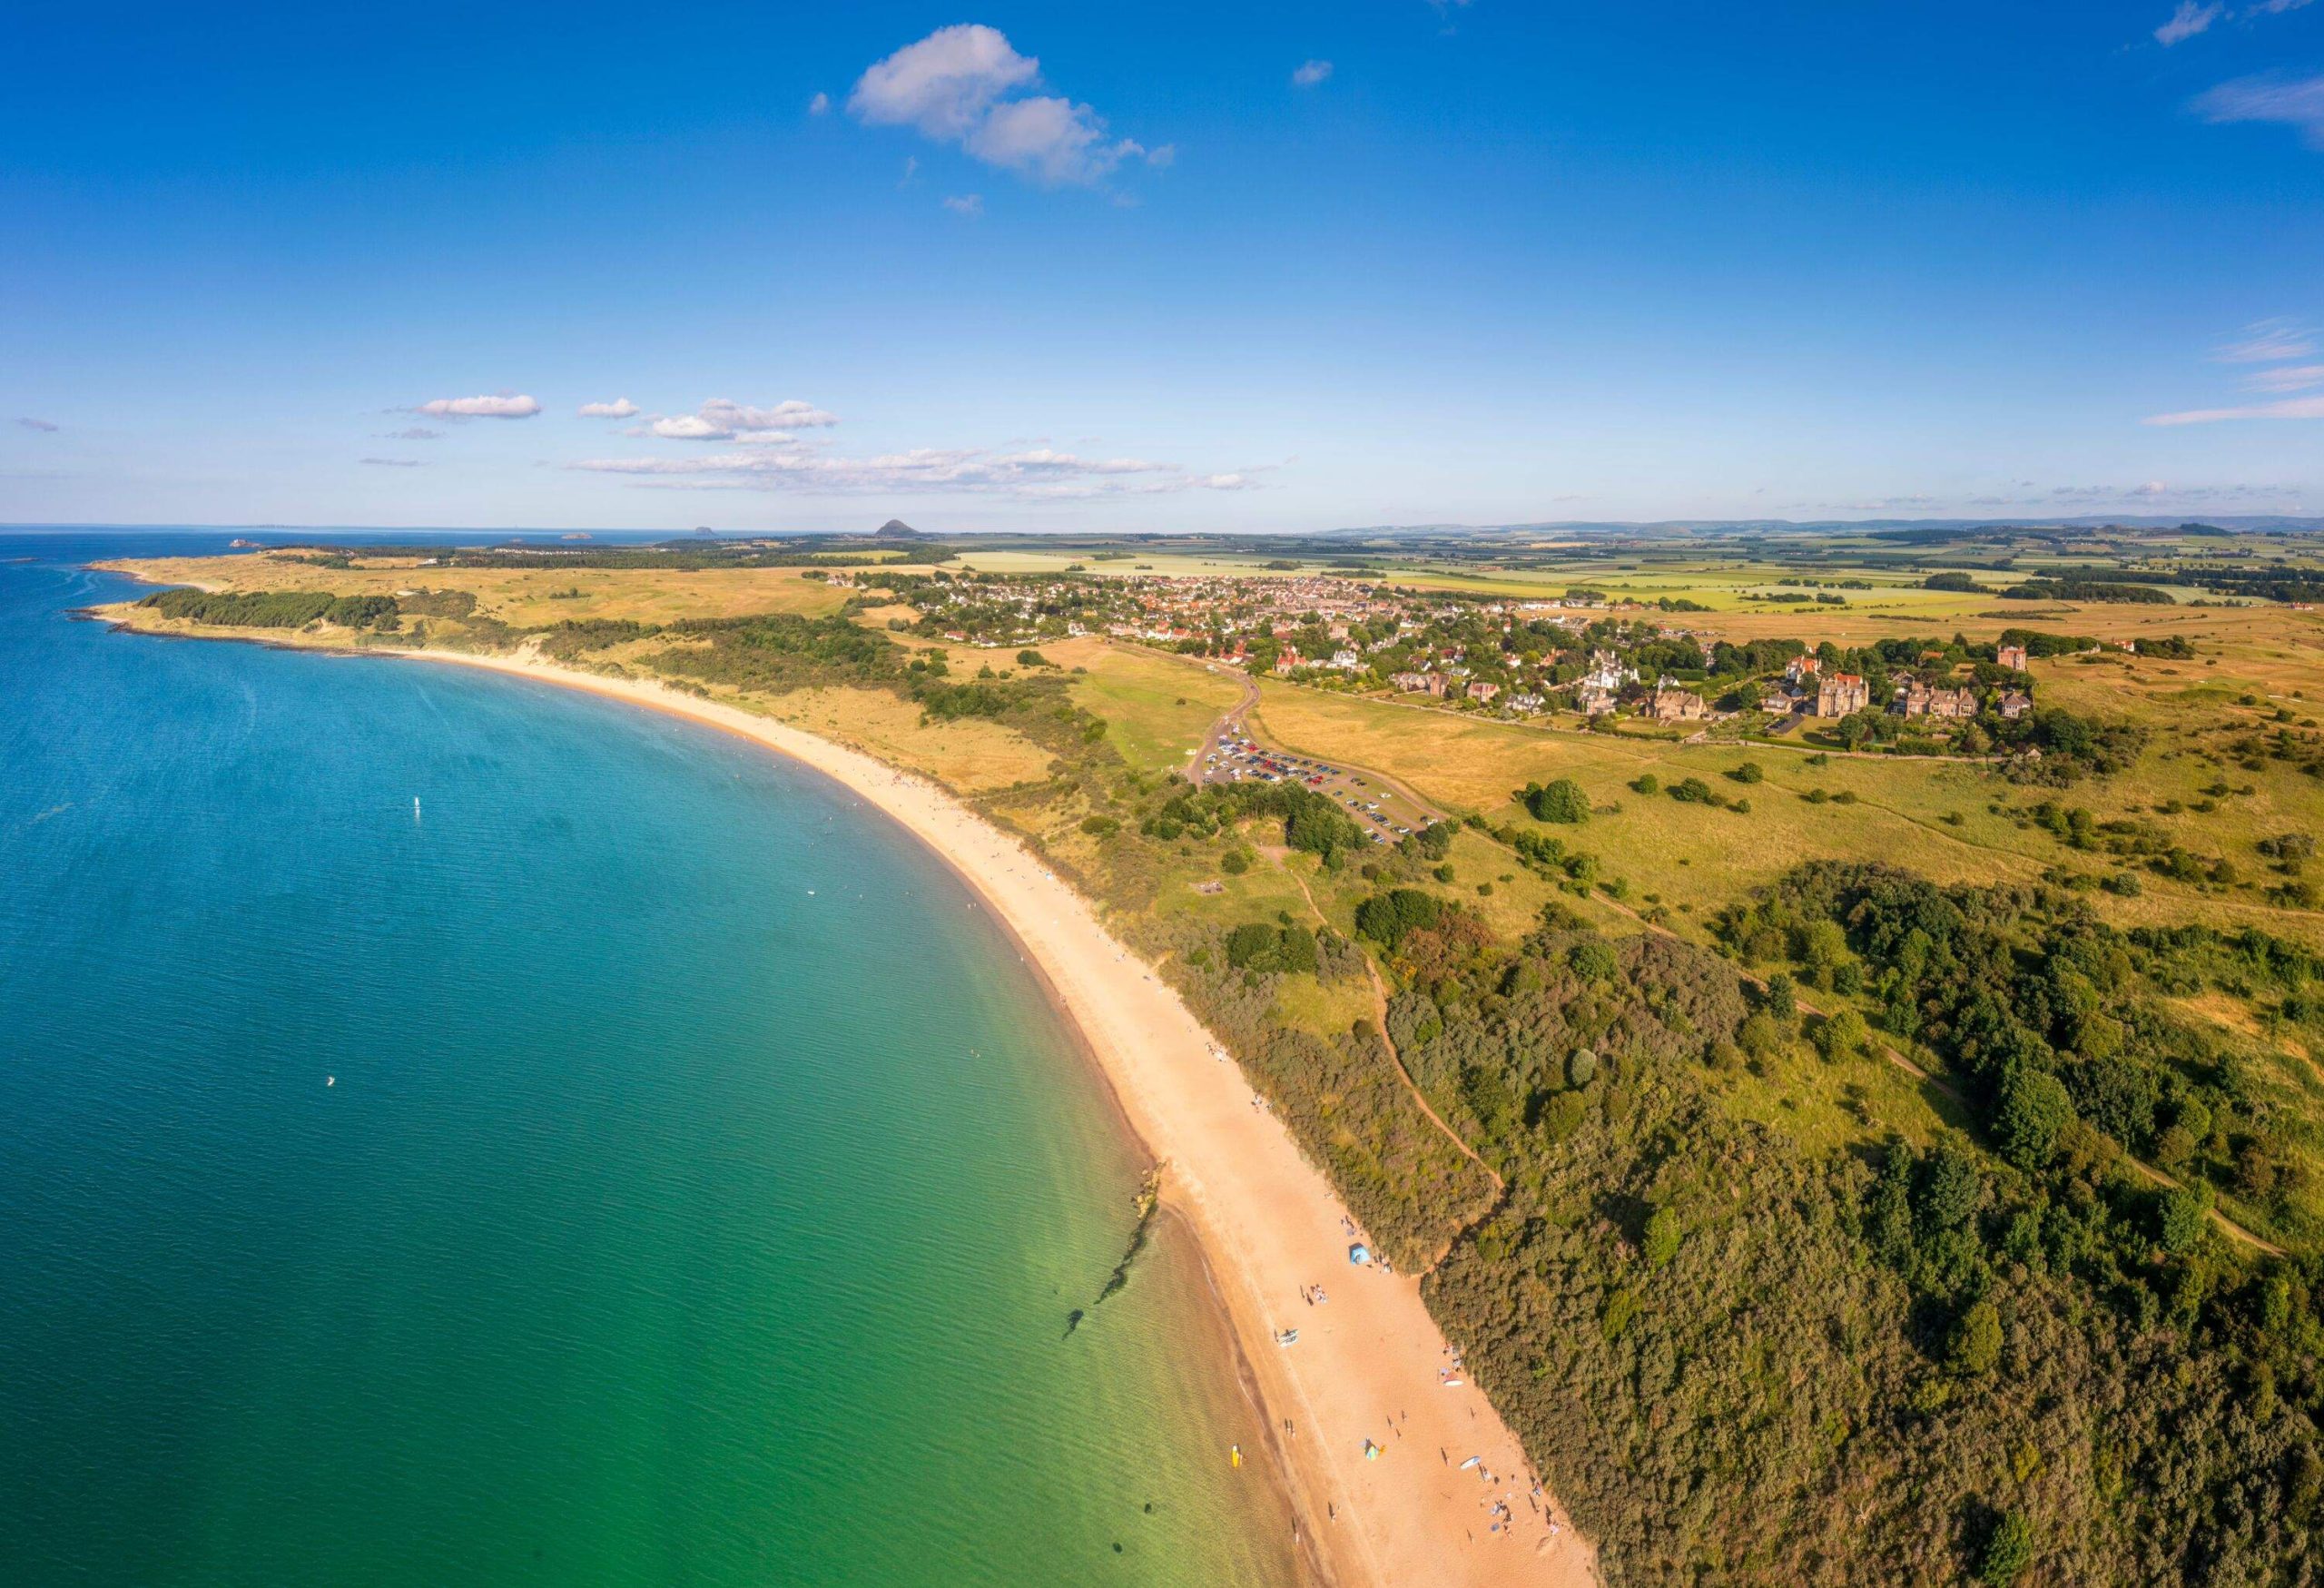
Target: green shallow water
{"type": "Point", "coordinates": [700, 1198]}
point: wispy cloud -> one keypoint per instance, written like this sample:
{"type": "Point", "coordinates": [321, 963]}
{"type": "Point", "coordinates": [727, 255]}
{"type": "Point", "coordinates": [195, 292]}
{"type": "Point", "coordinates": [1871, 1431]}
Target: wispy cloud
{"type": "Point", "coordinates": [969, 204]}
{"type": "Point", "coordinates": [412, 433]}
{"type": "Point", "coordinates": [1039, 472]}
{"type": "Point", "coordinates": [959, 86]}
{"type": "Point", "coordinates": [1308, 74]}
{"type": "Point", "coordinates": [2285, 378]}
{"type": "Point", "coordinates": [2111, 493]}
{"type": "Point", "coordinates": [2292, 408]}
{"type": "Point", "coordinates": [41, 425]}
{"type": "Point", "coordinates": [481, 408]}
{"type": "Point", "coordinates": [2273, 7]}
{"type": "Point", "coordinates": [2292, 102]}
{"type": "Point", "coordinates": [620, 408]}
{"type": "Point", "coordinates": [723, 419]}
{"type": "Point", "coordinates": [392, 462]}
{"type": "Point", "coordinates": [2265, 342]}
{"type": "Point", "coordinates": [2188, 21]}
{"type": "Point", "coordinates": [820, 105]}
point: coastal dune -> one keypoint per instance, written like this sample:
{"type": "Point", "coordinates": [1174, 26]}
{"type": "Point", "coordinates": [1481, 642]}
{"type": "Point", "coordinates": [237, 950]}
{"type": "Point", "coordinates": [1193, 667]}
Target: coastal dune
{"type": "Point", "coordinates": [1372, 1442]}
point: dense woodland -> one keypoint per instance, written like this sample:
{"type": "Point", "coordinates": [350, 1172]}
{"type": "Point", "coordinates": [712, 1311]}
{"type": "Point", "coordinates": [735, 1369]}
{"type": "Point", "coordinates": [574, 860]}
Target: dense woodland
{"type": "Point", "coordinates": [274, 608]}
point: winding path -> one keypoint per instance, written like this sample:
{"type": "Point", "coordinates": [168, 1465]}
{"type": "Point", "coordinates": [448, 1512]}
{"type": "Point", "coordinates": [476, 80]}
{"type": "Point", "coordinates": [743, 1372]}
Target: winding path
{"type": "Point", "coordinates": [1380, 1013]}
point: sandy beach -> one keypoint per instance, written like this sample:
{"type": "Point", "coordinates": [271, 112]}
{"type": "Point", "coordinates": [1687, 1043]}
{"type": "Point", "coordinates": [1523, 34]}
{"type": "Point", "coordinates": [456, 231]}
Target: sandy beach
{"type": "Point", "coordinates": [1367, 1373]}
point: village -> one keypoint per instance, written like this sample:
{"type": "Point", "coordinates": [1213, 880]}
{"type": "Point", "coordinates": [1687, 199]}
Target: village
{"type": "Point", "coordinates": [1580, 654]}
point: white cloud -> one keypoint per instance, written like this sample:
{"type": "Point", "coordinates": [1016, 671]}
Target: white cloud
{"type": "Point", "coordinates": [2264, 342]}
{"type": "Point", "coordinates": [943, 84]}
{"type": "Point", "coordinates": [1162, 156]}
{"type": "Point", "coordinates": [955, 86]}
{"type": "Point", "coordinates": [723, 419]}
{"type": "Point", "coordinates": [1053, 140]}
{"type": "Point", "coordinates": [481, 408]}
{"type": "Point", "coordinates": [41, 425]}
{"type": "Point", "coordinates": [819, 105]}
{"type": "Point", "coordinates": [2188, 21]}
{"type": "Point", "coordinates": [1310, 73]}
{"type": "Point", "coordinates": [2296, 103]}
{"type": "Point", "coordinates": [792, 414]}
{"type": "Point", "coordinates": [620, 408]}
{"type": "Point", "coordinates": [969, 204]}
{"type": "Point", "coordinates": [2285, 378]}
{"type": "Point", "coordinates": [2291, 408]}
{"type": "Point", "coordinates": [1040, 473]}
{"type": "Point", "coordinates": [688, 428]}
{"type": "Point", "coordinates": [2273, 7]}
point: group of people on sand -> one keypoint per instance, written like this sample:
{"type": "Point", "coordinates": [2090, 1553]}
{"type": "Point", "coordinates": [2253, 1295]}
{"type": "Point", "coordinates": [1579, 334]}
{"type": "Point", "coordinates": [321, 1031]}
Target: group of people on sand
{"type": "Point", "coordinates": [1313, 1295]}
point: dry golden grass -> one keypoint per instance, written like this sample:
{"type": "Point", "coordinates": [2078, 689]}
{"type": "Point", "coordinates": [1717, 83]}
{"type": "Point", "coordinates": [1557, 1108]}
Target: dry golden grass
{"type": "Point", "coordinates": [1934, 817]}
{"type": "Point", "coordinates": [970, 756]}
{"type": "Point", "coordinates": [524, 597]}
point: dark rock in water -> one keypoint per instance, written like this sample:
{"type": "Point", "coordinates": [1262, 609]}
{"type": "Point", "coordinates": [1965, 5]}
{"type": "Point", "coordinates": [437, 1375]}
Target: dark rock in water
{"type": "Point", "coordinates": [1073, 1320]}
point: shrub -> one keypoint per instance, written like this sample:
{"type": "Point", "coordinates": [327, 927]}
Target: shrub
{"type": "Point", "coordinates": [1749, 772]}
{"type": "Point", "coordinates": [1256, 946]}
{"type": "Point", "coordinates": [1102, 826]}
{"type": "Point", "coordinates": [1661, 1238]}
{"type": "Point", "coordinates": [1561, 800]}
{"type": "Point", "coordinates": [1235, 861]}
{"type": "Point", "coordinates": [1841, 1035]}
{"type": "Point", "coordinates": [2009, 1550]}
{"type": "Point", "coordinates": [1647, 783]}
{"type": "Point", "coordinates": [1760, 1036]}
{"type": "Point", "coordinates": [1594, 959]}
{"type": "Point", "coordinates": [1579, 1067]}
{"type": "Point", "coordinates": [2183, 1214]}
{"type": "Point", "coordinates": [1386, 918]}
{"type": "Point", "coordinates": [1975, 1347]}
{"type": "Point", "coordinates": [2030, 1116]}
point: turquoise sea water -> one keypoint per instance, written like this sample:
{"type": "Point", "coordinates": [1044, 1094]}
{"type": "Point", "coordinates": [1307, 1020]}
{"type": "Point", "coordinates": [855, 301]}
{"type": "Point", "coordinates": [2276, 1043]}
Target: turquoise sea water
{"type": "Point", "coordinates": [635, 1163]}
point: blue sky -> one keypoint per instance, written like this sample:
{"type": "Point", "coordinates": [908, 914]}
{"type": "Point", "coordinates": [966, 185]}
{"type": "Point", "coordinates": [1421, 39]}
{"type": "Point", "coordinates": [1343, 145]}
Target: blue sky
{"type": "Point", "coordinates": [1158, 267]}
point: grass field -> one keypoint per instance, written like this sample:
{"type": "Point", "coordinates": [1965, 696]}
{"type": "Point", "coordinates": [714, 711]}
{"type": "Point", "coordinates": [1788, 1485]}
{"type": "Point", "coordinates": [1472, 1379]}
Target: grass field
{"type": "Point", "coordinates": [1161, 708]}
{"type": "Point", "coordinates": [523, 597]}
{"type": "Point", "coordinates": [1935, 817]}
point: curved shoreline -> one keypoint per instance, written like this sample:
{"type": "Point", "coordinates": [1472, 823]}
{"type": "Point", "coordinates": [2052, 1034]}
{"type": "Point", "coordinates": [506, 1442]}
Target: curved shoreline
{"type": "Point", "coordinates": [1266, 1222]}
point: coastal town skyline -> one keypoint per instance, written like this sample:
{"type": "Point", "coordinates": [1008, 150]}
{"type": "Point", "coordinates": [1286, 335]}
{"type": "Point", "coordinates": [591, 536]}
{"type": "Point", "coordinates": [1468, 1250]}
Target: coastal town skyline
{"type": "Point", "coordinates": [1037, 268]}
